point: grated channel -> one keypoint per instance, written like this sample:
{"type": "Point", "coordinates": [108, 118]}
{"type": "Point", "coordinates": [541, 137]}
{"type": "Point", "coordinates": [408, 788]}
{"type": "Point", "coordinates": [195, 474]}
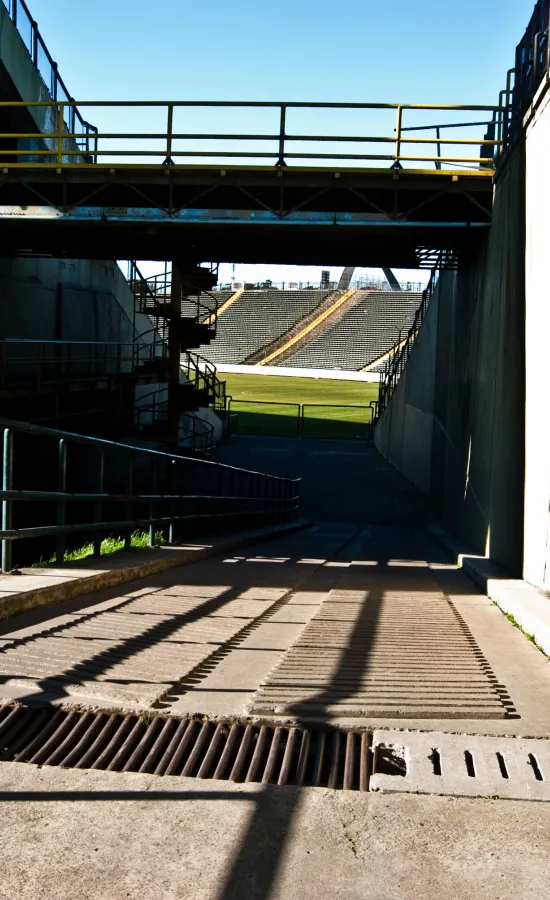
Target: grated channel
{"type": "Point", "coordinates": [191, 747]}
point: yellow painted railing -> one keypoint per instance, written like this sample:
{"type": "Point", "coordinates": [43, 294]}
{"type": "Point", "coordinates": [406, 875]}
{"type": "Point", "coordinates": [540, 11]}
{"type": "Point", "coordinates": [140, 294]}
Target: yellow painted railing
{"type": "Point", "coordinates": [171, 145]}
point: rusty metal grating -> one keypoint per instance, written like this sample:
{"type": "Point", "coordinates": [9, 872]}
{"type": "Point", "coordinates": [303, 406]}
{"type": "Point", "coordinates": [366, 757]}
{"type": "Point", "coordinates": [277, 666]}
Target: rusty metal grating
{"type": "Point", "coordinates": [169, 746]}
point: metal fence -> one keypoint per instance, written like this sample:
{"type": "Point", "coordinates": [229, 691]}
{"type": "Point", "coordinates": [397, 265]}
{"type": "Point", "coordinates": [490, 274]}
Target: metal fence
{"type": "Point", "coordinates": [300, 420]}
{"type": "Point", "coordinates": [172, 143]}
{"type": "Point", "coordinates": [90, 487]}
{"type": "Point", "coordinates": [531, 63]}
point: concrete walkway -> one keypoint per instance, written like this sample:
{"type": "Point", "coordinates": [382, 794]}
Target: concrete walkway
{"type": "Point", "coordinates": [363, 623]}
{"type": "Point", "coordinates": [341, 624]}
{"type": "Point", "coordinates": [106, 836]}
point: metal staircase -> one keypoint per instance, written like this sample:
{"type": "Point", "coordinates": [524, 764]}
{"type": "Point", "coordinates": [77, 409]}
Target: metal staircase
{"type": "Point", "coordinates": [182, 315]}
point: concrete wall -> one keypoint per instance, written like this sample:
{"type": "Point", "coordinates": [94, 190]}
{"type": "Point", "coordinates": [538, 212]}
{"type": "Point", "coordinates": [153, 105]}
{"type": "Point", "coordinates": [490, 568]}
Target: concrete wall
{"type": "Point", "coordinates": [405, 432]}
{"type": "Point", "coordinates": [537, 321]}
{"type": "Point", "coordinates": [455, 426]}
{"type": "Point", "coordinates": [66, 299]}
{"type": "Point", "coordinates": [20, 79]}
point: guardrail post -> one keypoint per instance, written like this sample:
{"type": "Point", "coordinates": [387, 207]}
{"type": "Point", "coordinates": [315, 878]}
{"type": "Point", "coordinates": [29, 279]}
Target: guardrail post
{"type": "Point", "coordinates": [398, 136]}
{"type": "Point", "coordinates": [130, 488]}
{"type": "Point", "coordinates": [169, 130]}
{"type": "Point", "coordinates": [62, 487]}
{"type": "Point", "coordinates": [99, 504]}
{"type": "Point", "coordinates": [281, 161]}
{"type": "Point", "coordinates": [173, 506]}
{"type": "Point", "coordinates": [60, 124]}
{"type": "Point", "coordinates": [34, 27]}
{"type": "Point", "coordinates": [7, 485]}
{"type": "Point", "coordinates": [151, 540]}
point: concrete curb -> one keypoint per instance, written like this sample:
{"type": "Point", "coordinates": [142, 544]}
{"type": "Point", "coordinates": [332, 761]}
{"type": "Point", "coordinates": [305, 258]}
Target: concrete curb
{"type": "Point", "coordinates": [529, 606]}
{"type": "Point", "coordinates": [45, 587]}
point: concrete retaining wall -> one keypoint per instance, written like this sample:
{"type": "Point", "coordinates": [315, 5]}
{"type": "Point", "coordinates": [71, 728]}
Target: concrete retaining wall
{"type": "Point", "coordinates": [455, 426]}
{"type": "Point", "coordinates": [69, 300]}
{"type": "Point", "coordinates": [537, 320]}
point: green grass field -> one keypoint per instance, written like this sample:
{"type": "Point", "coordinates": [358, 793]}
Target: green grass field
{"type": "Point", "coordinates": [269, 404]}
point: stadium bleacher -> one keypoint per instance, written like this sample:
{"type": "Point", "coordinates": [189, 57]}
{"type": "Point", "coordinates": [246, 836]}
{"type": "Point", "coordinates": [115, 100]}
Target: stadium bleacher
{"type": "Point", "coordinates": [362, 335]}
{"type": "Point", "coordinates": [257, 319]}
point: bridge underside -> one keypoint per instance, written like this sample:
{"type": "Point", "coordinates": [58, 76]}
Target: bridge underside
{"type": "Point", "coordinates": [254, 214]}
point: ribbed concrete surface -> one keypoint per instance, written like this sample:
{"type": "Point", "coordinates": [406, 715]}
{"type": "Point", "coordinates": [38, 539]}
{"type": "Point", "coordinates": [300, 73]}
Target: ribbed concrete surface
{"type": "Point", "coordinates": [387, 643]}
{"type": "Point", "coordinates": [137, 650]}
{"type": "Point", "coordinates": [131, 650]}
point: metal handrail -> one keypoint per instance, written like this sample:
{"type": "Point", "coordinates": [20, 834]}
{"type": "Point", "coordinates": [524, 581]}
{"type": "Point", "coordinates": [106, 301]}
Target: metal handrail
{"type": "Point", "coordinates": [56, 86]}
{"type": "Point", "coordinates": [202, 437]}
{"type": "Point", "coordinates": [56, 361]}
{"type": "Point", "coordinates": [157, 290]}
{"type": "Point", "coordinates": [531, 63]}
{"type": "Point", "coordinates": [221, 485]}
{"type": "Point", "coordinates": [166, 155]}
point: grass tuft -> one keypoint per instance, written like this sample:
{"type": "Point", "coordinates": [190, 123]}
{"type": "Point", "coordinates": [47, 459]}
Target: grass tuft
{"type": "Point", "coordinates": [139, 540]}
{"type": "Point", "coordinates": [516, 624]}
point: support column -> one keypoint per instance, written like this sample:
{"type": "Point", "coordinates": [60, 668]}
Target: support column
{"type": "Point", "coordinates": [174, 354]}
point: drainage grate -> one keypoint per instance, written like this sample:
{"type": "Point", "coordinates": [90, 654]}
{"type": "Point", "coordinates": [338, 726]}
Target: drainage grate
{"type": "Point", "coordinates": [412, 762]}
{"type": "Point", "coordinates": [171, 746]}
{"type": "Point", "coordinates": [461, 765]}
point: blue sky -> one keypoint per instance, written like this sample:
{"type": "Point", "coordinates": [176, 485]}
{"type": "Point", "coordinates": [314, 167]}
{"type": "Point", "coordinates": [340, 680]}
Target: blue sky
{"type": "Point", "coordinates": [407, 51]}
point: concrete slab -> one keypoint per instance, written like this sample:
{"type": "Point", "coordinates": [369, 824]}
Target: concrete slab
{"type": "Point", "coordinates": [273, 636]}
{"type": "Point", "coordinates": [225, 691]}
{"type": "Point", "coordinates": [529, 605]}
{"type": "Point", "coordinates": [384, 643]}
{"type": "Point", "coordinates": [293, 612]}
{"type": "Point", "coordinates": [209, 597]}
{"type": "Point", "coordinates": [97, 835]}
{"type": "Point", "coordinates": [131, 649]}
{"type": "Point", "coordinates": [465, 765]}
{"type": "Point", "coordinates": [31, 588]}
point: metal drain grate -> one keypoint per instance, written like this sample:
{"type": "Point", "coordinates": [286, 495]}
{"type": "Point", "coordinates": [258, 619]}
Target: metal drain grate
{"type": "Point", "coordinates": [461, 765]}
{"type": "Point", "coordinates": [170, 746]}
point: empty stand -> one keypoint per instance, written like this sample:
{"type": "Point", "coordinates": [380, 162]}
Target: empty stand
{"type": "Point", "coordinates": [258, 318]}
{"type": "Point", "coordinates": [362, 335]}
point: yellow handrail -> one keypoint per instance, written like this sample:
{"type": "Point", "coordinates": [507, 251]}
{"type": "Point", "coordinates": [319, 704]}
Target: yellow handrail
{"type": "Point", "coordinates": [66, 147]}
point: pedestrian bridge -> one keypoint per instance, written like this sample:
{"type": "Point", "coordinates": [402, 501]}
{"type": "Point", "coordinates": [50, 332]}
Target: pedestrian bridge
{"type": "Point", "coordinates": [310, 182]}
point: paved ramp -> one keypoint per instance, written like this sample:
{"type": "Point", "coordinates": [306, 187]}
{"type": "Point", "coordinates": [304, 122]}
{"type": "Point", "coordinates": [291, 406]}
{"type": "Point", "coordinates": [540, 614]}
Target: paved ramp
{"type": "Point", "coordinates": [386, 642]}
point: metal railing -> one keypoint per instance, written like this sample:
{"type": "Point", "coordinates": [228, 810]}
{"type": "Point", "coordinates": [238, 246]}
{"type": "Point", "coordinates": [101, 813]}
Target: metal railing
{"type": "Point", "coordinates": [153, 297]}
{"type": "Point", "coordinates": [531, 63]}
{"type": "Point", "coordinates": [202, 374]}
{"type": "Point", "coordinates": [301, 420]}
{"type": "Point", "coordinates": [170, 145]}
{"type": "Point", "coordinates": [359, 283]}
{"type": "Point", "coordinates": [27, 27]}
{"type": "Point", "coordinates": [399, 356]}
{"type": "Point", "coordinates": [152, 419]}
{"type": "Point", "coordinates": [84, 484]}
{"type": "Point", "coordinates": [36, 364]}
